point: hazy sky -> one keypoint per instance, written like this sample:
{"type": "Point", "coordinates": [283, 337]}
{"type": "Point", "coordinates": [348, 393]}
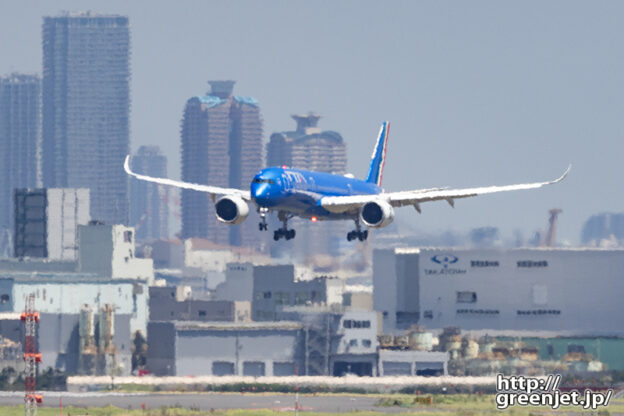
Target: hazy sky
{"type": "Point", "coordinates": [478, 92]}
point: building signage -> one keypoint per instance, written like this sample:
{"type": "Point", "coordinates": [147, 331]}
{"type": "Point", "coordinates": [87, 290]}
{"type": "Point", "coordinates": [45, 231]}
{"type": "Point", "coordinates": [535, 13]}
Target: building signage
{"type": "Point", "coordinates": [484, 263]}
{"type": "Point", "coordinates": [532, 263]}
{"type": "Point", "coordinates": [444, 264]}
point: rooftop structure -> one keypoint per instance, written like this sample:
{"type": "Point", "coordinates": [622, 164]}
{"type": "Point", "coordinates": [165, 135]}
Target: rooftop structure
{"type": "Point", "coordinates": [47, 220]}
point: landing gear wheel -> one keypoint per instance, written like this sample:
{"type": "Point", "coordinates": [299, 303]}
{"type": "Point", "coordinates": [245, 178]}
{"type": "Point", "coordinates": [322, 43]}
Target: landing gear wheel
{"type": "Point", "coordinates": [262, 226]}
{"type": "Point", "coordinates": [284, 231]}
{"type": "Point", "coordinates": [357, 233]}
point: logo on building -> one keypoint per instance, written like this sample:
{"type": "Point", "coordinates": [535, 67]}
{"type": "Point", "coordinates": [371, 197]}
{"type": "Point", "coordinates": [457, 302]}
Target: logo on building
{"type": "Point", "coordinates": [446, 261]}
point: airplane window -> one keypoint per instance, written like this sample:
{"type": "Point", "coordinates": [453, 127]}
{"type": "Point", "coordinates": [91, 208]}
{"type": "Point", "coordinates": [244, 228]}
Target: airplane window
{"type": "Point", "coordinates": [260, 180]}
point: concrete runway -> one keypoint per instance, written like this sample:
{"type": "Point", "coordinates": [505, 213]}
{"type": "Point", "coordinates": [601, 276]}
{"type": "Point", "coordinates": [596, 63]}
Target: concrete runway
{"type": "Point", "coordinates": [205, 401]}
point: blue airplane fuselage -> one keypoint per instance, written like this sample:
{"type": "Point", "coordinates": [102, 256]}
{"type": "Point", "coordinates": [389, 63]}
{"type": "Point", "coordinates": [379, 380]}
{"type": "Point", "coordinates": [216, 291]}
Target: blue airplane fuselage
{"type": "Point", "coordinates": [300, 191]}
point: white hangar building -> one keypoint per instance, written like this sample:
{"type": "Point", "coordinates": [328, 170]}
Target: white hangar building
{"type": "Point", "coordinates": [576, 291]}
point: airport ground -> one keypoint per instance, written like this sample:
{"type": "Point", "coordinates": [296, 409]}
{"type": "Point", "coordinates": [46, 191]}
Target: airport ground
{"type": "Point", "coordinates": [236, 404]}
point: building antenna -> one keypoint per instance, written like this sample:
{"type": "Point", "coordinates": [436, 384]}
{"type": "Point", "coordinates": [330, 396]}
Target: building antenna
{"type": "Point", "coordinates": [31, 357]}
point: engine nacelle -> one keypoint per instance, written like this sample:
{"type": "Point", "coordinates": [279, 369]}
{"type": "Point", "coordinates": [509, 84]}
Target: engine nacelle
{"type": "Point", "coordinates": [377, 214]}
{"type": "Point", "coordinates": [231, 209]}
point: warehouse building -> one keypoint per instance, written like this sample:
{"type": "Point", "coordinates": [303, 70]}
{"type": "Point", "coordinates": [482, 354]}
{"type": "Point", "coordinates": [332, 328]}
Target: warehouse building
{"type": "Point", "coordinates": [66, 293]}
{"type": "Point", "coordinates": [308, 341]}
{"type": "Point", "coordinates": [574, 290]}
{"type": "Point", "coordinates": [219, 348]}
{"type": "Point", "coordinates": [61, 341]}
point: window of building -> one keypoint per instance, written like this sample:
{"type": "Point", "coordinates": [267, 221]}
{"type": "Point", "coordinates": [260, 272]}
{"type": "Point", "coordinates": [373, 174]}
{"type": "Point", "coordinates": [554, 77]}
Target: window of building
{"type": "Point", "coordinates": [253, 368]}
{"type": "Point", "coordinates": [202, 313]}
{"type": "Point", "coordinates": [466, 297]}
{"type": "Point", "coordinates": [405, 319]}
{"type": "Point", "coordinates": [353, 343]}
{"type": "Point", "coordinates": [128, 236]}
{"type": "Point", "coordinates": [266, 295]}
{"type": "Point", "coordinates": [222, 368]}
{"type": "Point", "coordinates": [4, 298]}
{"type": "Point", "coordinates": [284, 369]}
{"type": "Point", "coordinates": [366, 343]}
{"type": "Point", "coordinates": [301, 298]}
{"type": "Point", "coordinates": [428, 314]}
{"type": "Point", "coordinates": [351, 323]}
{"type": "Point", "coordinates": [540, 295]}
{"type": "Point", "coordinates": [282, 298]}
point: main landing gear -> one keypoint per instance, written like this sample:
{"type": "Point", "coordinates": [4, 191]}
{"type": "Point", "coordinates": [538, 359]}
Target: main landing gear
{"type": "Point", "coordinates": [357, 233]}
{"type": "Point", "coordinates": [262, 226]}
{"type": "Point", "coordinates": [284, 231]}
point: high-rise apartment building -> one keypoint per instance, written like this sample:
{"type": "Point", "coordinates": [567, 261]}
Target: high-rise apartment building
{"type": "Point", "coordinates": [149, 212]}
{"type": "Point", "coordinates": [20, 109]}
{"type": "Point", "coordinates": [310, 148]}
{"type": "Point", "coordinates": [221, 146]}
{"type": "Point", "coordinates": [86, 105]}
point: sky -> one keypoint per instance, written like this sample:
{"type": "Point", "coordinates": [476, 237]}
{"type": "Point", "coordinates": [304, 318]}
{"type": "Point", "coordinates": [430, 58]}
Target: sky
{"type": "Point", "coordinates": [477, 93]}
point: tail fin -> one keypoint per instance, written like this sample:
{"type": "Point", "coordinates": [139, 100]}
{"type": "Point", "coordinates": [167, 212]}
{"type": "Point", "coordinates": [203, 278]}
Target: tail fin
{"type": "Point", "coordinates": [378, 158]}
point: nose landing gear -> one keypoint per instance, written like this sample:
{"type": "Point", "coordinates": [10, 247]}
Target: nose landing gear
{"type": "Point", "coordinates": [262, 226]}
{"type": "Point", "coordinates": [284, 231]}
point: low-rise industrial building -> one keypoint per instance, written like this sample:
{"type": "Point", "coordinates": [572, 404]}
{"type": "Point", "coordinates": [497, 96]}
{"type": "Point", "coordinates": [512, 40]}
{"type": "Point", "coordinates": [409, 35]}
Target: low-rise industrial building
{"type": "Point", "coordinates": [168, 304]}
{"type": "Point", "coordinates": [217, 348]}
{"type": "Point", "coordinates": [574, 290]}
{"type": "Point", "coordinates": [61, 340]}
{"type": "Point", "coordinates": [66, 294]}
{"type": "Point", "coordinates": [275, 287]}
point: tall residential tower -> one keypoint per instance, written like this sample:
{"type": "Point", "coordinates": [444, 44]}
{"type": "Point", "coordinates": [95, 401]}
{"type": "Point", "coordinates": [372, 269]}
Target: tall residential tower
{"type": "Point", "coordinates": [221, 146]}
{"type": "Point", "coordinates": [86, 105]}
{"type": "Point", "coordinates": [149, 212]}
{"type": "Point", "coordinates": [310, 148]}
{"type": "Point", "coordinates": [20, 106]}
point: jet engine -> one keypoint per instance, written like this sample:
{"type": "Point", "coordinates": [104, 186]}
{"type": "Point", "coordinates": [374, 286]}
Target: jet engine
{"type": "Point", "coordinates": [377, 214]}
{"type": "Point", "coordinates": [231, 209]}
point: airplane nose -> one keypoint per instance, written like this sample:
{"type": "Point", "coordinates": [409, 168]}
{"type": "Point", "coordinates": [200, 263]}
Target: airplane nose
{"type": "Point", "coordinates": [260, 193]}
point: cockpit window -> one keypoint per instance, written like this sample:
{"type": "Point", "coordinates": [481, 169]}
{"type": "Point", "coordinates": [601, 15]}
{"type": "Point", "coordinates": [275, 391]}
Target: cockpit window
{"type": "Point", "coordinates": [262, 180]}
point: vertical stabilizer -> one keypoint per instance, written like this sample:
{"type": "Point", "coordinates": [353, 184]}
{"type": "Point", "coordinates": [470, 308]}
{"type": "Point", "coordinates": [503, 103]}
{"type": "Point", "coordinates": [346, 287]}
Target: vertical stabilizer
{"type": "Point", "coordinates": [378, 158]}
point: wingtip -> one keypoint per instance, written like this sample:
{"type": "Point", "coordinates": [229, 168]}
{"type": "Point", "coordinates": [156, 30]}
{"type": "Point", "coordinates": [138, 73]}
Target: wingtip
{"type": "Point", "coordinates": [562, 177]}
{"type": "Point", "coordinates": [127, 165]}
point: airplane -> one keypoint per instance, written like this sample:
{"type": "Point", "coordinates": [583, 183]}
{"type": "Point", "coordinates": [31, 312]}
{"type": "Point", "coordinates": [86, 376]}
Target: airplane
{"type": "Point", "coordinates": [324, 196]}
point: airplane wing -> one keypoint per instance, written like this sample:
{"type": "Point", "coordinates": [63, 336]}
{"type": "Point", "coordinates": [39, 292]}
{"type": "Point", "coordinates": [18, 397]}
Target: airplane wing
{"type": "Point", "coordinates": [212, 190]}
{"type": "Point", "coordinates": [339, 204]}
